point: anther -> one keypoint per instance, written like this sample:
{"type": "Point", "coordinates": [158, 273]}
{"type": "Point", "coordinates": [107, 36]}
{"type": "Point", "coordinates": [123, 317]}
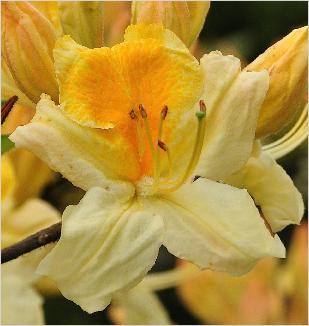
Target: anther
{"type": "Point", "coordinates": [202, 113]}
{"type": "Point", "coordinates": [142, 111]}
{"type": "Point", "coordinates": [164, 112]}
{"type": "Point", "coordinates": [162, 145]}
{"type": "Point", "coordinates": [202, 106]}
{"type": "Point", "coordinates": [132, 114]}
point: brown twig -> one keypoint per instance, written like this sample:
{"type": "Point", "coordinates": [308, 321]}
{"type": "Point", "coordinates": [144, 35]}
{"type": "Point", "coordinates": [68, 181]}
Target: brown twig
{"type": "Point", "coordinates": [7, 107]}
{"type": "Point", "coordinates": [34, 241]}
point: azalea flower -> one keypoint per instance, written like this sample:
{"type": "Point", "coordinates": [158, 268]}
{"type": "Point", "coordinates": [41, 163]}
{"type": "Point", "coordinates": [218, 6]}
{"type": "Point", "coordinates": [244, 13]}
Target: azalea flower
{"type": "Point", "coordinates": [127, 118]}
{"type": "Point", "coordinates": [23, 216]}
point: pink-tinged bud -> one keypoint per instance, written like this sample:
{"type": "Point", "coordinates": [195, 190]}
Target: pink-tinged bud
{"type": "Point", "coordinates": [27, 43]}
{"type": "Point", "coordinates": [117, 16]}
{"type": "Point", "coordinates": [184, 18]}
{"type": "Point", "coordinates": [287, 64]}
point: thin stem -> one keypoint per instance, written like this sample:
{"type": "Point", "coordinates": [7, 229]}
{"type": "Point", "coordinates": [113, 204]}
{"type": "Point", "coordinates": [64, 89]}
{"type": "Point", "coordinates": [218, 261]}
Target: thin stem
{"type": "Point", "coordinates": [34, 241]}
{"type": "Point", "coordinates": [7, 107]}
{"type": "Point", "coordinates": [164, 280]}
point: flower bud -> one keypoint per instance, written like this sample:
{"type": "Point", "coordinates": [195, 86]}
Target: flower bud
{"type": "Point", "coordinates": [184, 18]}
{"type": "Point", "coordinates": [83, 21]}
{"type": "Point", "coordinates": [117, 15]}
{"type": "Point", "coordinates": [287, 64]}
{"type": "Point", "coordinates": [50, 9]}
{"type": "Point", "coordinates": [27, 42]}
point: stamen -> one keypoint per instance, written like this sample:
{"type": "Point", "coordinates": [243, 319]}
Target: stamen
{"type": "Point", "coordinates": [140, 137]}
{"type": "Point", "coordinates": [163, 115]}
{"type": "Point", "coordinates": [197, 148]}
{"type": "Point", "coordinates": [149, 138]}
{"type": "Point", "coordinates": [164, 147]}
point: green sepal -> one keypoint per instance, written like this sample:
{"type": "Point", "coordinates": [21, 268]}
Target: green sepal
{"type": "Point", "coordinates": [6, 144]}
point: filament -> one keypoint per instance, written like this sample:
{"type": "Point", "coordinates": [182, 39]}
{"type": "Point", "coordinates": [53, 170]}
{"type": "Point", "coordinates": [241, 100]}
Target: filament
{"type": "Point", "coordinates": [149, 138]}
{"type": "Point", "coordinates": [199, 140]}
{"type": "Point", "coordinates": [292, 139]}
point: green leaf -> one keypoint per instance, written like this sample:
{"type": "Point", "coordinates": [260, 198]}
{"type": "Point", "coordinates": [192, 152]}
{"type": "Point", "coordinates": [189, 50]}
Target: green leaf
{"type": "Point", "coordinates": [6, 144]}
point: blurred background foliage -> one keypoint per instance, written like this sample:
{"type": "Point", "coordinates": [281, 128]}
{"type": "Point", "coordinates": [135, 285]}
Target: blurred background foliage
{"type": "Point", "coordinates": [244, 29]}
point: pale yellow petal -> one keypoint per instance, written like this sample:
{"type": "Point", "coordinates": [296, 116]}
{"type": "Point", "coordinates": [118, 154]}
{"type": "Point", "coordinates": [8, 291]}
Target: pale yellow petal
{"type": "Point", "coordinates": [106, 245]}
{"type": "Point", "coordinates": [8, 178]}
{"type": "Point", "coordinates": [139, 306]}
{"type": "Point", "coordinates": [20, 303]}
{"type": "Point", "coordinates": [80, 154]}
{"type": "Point", "coordinates": [272, 189]}
{"type": "Point", "coordinates": [215, 226]}
{"type": "Point", "coordinates": [9, 87]}
{"type": "Point", "coordinates": [233, 100]}
{"type": "Point", "coordinates": [25, 163]}
{"type": "Point", "coordinates": [34, 215]}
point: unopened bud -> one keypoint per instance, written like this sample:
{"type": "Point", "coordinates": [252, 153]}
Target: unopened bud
{"type": "Point", "coordinates": [287, 64]}
{"type": "Point", "coordinates": [184, 18]}
{"type": "Point", "coordinates": [27, 42]}
{"type": "Point", "coordinates": [83, 21]}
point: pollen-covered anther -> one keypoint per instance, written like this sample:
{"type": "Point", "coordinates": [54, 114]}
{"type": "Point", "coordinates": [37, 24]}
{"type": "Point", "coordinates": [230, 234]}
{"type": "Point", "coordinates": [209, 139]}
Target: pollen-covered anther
{"type": "Point", "coordinates": [142, 111]}
{"type": "Point", "coordinates": [202, 106]}
{"type": "Point", "coordinates": [164, 112]}
{"type": "Point", "coordinates": [162, 145]}
{"type": "Point", "coordinates": [132, 114]}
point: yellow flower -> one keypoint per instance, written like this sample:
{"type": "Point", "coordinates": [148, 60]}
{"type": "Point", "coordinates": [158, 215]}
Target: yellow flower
{"type": "Point", "coordinates": [126, 132]}
{"type": "Point", "coordinates": [21, 217]}
{"type": "Point", "coordinates": [287, 63]}
{"type": "Point", "coordinates": [184, 18]}
{"type": "Point", "coordinates": [260, 297]}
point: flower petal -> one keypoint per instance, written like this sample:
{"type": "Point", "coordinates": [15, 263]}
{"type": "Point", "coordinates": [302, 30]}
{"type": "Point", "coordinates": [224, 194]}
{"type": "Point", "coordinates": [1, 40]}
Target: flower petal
{"type": "Point", "coordinates": [272, 190]}
{"type": "Point", "coordinates": [233, 100]}
{"type": "Point", "coordinates": [9, 87]}
{"type": "Point", "coordinates": [100, 87]}
{"type": "Point", "coordinates": [20, 303]}
{"type": "Point", "coordinates": [80, 154]}
{"type": "Point", "coordinates": [24, 164]}
{"type": "Point", "coordinates": [107, 245]}
{"type": "Point", "coordinates": [215, 226]}
{"type": "Point", "coordinates": [34, 215]}
{"type": "Point", "coordinates": [139, 306]}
